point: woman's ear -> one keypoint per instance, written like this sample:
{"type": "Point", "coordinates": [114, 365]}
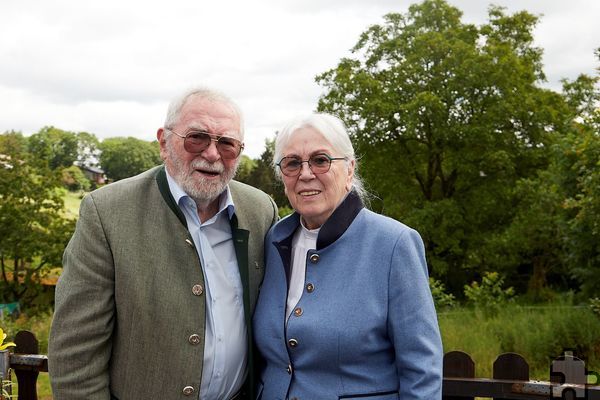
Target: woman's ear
{"type": "Point", "coordinates": [351, 166]}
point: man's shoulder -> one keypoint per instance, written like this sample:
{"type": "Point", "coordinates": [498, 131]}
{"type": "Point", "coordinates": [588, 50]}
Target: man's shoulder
{"type": "Point", "coordinates": [252, 205]}
{"type": "Point", "coordinates": [128, 187]}
{"type": "Point", "coordinates": [245, 194]}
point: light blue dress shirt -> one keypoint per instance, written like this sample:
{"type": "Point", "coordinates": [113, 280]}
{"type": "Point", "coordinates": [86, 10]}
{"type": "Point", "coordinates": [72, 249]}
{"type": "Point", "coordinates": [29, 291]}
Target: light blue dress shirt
{"type": "Point", "coordinates": [225, 343]}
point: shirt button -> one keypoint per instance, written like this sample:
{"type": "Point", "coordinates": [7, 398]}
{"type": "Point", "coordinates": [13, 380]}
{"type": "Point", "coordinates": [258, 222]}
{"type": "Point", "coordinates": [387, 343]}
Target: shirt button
{"type": "Point", "coordinates": [197, 290]}
{"type": "Point", "coordinates": [194, 339]}
{"type": "Point", "coordinates": [314, 258]}
{"type": "Point", "coordinates": [289, 369]}
{"type": "Point", "coordinates": [297, 311]}
{"type": "Point", "coordinates": [188, 390]}
{"type": "Point", "coordinates": [310, 287]}
{"type": "Point", "coordinates": [293, 342]}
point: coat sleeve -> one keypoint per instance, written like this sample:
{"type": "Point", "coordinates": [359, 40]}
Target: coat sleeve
{"type": "Point", "coordinates": [413, 321]}
{"type": "Point", "coordinates": [80, 339]}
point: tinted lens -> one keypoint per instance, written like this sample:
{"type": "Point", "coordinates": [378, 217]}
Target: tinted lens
{"type": "Point", "coordinates": [195, 142]}
{"type": "Point", "coordinates": [319, 163]}
{"type": "Point", "coordinates": [229, 147]}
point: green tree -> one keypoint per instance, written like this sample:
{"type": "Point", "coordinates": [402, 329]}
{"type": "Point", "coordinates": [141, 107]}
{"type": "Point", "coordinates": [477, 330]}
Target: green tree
{"type": "Point", "coordinates": [12, 142]}
{"type": "Point", "coordinates": [33, 230]}
{"type": "Point", "coordinates": [245, 168]}
{"type": "Point", "coordinates": [263, 177]}
{"type": "Point", "coordinates": [54, 146]}
{"type": "Point", "coordinates": [555, 225]}
{"type": "Point", "coordinates": [74, 179]}
{"type": "Point", "coordinates": [124, 157]}
{"type": "Point", "coordinates": [578, 163]}
{"type": "Point", "coordinates": [447, 117]}
{"type": "Point", "coordinates": [87, 149]}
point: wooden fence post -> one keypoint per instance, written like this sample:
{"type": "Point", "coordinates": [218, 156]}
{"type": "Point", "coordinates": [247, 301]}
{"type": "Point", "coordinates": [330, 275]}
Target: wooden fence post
{"type": "Point", "coordinates": [458, 364]}
{"type": "Point", "coordinates": [27, 379]}
{"type": "Point", "coordinates": [510, 366]}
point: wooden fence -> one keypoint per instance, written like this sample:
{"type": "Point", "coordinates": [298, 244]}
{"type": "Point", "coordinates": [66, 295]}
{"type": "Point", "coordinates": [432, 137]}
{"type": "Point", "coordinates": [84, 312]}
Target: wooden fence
{"type": "Point", "coordinates": [510, 376]}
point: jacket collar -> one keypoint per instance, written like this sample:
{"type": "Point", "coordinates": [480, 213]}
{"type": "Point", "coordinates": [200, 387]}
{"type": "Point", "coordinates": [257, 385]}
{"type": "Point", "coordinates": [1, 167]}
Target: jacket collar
{"type": "Point", "coordinates": [332, 229]}
{"type": "Point", "coordinates": [163, 187]}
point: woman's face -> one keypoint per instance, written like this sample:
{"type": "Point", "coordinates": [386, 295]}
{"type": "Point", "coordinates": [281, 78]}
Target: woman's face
{"type": "Point", "coordinates": [315, 196]}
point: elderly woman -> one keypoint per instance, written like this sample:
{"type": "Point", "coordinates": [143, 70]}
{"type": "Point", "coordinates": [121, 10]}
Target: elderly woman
{"type": "Point", "coordinates": [345, 310]}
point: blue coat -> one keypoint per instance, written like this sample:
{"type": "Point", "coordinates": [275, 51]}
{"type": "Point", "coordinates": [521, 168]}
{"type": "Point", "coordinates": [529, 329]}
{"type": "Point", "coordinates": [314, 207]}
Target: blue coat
{"type": "Point", "coordinates": [365, 326]}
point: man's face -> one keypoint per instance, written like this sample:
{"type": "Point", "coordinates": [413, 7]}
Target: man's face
{"type": "Point", "coordinates": [203, 176]}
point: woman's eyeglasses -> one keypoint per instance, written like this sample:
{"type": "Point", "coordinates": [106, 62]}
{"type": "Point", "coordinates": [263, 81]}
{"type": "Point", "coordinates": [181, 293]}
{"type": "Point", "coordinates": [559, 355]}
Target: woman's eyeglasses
{"type": "Point", "coordinates": [197, 141]}
{"type": "Point", "coordinates": [318, 164]}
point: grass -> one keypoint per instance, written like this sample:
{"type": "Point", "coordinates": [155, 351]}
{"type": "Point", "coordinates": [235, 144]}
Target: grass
{"type": "Point", "coordinates": [539, 334]}
{"type": "Point", "coordinates": [72, 201]}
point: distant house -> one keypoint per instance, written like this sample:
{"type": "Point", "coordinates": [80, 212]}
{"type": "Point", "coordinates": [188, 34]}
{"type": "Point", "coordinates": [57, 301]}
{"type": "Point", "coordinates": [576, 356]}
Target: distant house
{"type": "Point", "coordinates": [94, 174]}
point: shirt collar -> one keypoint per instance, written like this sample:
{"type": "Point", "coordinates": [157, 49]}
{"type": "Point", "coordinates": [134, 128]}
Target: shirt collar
{"type": "Point", "coordinates": [225, 199]}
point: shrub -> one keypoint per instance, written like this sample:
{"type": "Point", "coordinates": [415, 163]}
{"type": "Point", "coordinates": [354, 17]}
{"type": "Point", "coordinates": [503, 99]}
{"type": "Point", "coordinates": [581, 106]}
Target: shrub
{"type": "Point", "coordinates": [441, 299]}
{"type": "Point", "coordinates": [488, 296]}
{"type": "Point", "coordinates": [74, 179]}
{"type": "Point", "coordinates": [595, 305]}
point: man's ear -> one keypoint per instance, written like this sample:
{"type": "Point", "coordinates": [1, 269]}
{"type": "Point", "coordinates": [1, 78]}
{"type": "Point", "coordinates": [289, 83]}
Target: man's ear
{"type": "Point", "coordinates": [162, 141]}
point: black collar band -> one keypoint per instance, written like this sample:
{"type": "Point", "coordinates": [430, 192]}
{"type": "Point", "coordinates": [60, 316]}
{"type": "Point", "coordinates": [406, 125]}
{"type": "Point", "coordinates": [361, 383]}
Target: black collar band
{"type": "Point", "coordinates": [340, 220]}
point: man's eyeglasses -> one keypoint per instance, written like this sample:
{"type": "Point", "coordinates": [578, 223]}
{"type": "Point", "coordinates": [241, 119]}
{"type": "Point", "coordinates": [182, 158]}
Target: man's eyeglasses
{"type": "Point", "coordinates": [318, 164]}
{"type": "Point", "coordinates": [197, 141]}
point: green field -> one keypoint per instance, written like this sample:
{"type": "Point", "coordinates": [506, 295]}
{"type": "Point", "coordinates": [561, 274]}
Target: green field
{"type": "Point", "coordinates": [539, 333]}
{"type": "Point", "coordinates": [72, 200]}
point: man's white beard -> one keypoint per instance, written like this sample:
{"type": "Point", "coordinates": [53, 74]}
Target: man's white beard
{"type": "Point", "coordinates": [199, 189]}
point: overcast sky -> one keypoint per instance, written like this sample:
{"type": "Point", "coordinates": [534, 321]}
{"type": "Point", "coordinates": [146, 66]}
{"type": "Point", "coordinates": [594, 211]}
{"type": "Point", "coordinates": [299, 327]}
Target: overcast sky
{"type": "Point", "coordinates": [110, 67]}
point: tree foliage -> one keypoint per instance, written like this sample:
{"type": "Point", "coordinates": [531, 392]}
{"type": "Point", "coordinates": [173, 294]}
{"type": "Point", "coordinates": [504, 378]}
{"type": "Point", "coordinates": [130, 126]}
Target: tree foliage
{"type": "Point", "coordinates": [447, 117]}
{"type": "Point", "coordinates": [32, 227]}
{"type": "Point", "coordinates": [57, 148]}
{"type": "Point", "coordinates": [74, 179]}
{"type": "Point", "coordinates": [578, 162]}
{"type": "Point", "coordinates": [261, 176]}
{"type": "Point", "coordinates": [124, 157]}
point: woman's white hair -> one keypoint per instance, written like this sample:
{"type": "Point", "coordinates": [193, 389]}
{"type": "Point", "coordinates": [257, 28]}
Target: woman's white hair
{"type": "Point", "coordinates": [333, 130]}
{"type": "Point", "coordinates": [176, 105]}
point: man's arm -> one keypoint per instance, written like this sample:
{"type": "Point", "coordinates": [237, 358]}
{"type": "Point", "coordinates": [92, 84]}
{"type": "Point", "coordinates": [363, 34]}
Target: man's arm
{"type": "Point", "coordinates": [81, 336]}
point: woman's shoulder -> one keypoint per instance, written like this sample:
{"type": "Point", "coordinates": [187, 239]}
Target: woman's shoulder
{"type": "Point", "coordinates": [382, 222]}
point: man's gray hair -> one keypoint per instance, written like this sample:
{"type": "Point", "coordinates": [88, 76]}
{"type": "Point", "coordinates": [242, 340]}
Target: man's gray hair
{"type": "Point", "coordinates": [174, 110]}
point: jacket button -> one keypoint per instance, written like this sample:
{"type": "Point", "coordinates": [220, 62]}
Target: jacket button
{"type": "Point", "coordinates": [188, 390]}
{"type": "Point", "coordinates": [197, 290]}
{"type": "Point", "coordinates": [293, 342]}
{"type": "Point", "coordinates": [298, 311]}
{"type": "Point", "coordinates": [194, 339]}
{"type": "Point", "coordinates": [310, 287]}
{"type": "Point", "coordinates": [191, 244]}
{"type": "Point", "coordinates": [314, 258]}
{"type": "Point", "coordinates": [289, 369]}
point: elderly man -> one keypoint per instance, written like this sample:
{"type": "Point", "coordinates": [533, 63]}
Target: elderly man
{"type": "Point", "coordinates": [162, 273]}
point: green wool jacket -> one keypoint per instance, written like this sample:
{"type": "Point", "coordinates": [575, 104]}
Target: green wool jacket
{"type": "Point", "coordinates": [130, 303]}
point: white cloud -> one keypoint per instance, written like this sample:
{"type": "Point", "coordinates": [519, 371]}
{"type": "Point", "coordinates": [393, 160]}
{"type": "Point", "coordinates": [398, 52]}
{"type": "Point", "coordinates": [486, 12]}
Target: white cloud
{"type": "Point", "coordinates": [111, 67]}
